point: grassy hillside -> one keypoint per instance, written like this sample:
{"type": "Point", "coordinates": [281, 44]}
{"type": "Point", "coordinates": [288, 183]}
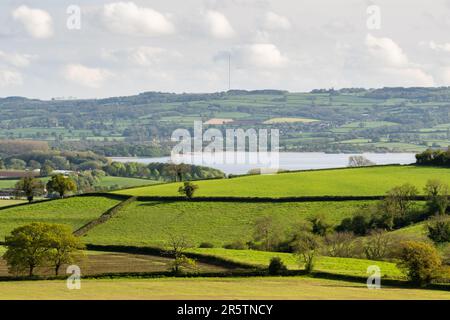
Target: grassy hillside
{"type": "Point", "coordinates": [123, 182]}
{"type": "Point", "coordinates": [150, 223]}
{"type": "Point", "coordinates": [6, 203]}
{"type": "Point", "coordinates": [276, 288]}
{"type": "Point", "coordinates": [72, 211]}
{"type": "Point", "coordinates": [343, 266]}
{"type": "Point", "coordinates": [339, 182]}
{"type": "Point", "coordinates": [106, 181]}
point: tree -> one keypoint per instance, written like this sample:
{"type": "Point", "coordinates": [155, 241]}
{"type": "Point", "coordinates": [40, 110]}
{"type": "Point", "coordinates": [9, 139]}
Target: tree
{"type": "Point", "coordinates": [359, 161]}
{"type": "Point", "coordinates": [268, 232]}
{"type": "Point", "coordinates": [64, 246]}
{"type": "Point", "coordinates": [30, 186]}
{"type": "Point", "coordinates": [437, 197]}
{"type": "Point", "coordinates": [61, 184]}
{"type": "Point", "coordinates": [439, 229]}
{"type": "Point", "coordinates": [393, 210]}
{"type": "Point", "coordinates": [188, 189]}
{"type": "Point", "coordinates": [306, 248]}
{"type": "Point", "coordinates": [378, 244]}
{"type": "Point", "coordinates": [320, 225]}
{"type": "Point", "coordinates": [340, 244]}
{"type": "Point", "coordinates": [421, 261]}
{"type": "Point", "coordinates": [27, 247]}
{"type": "Point", "coordinates": [177, 170]}
{"type": "Point", "coordinates": [177, 245]}
{"type": "Point", "coordinates": [46, 169]}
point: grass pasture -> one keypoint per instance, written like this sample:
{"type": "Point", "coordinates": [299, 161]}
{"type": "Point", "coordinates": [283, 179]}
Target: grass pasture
{"type": "Point", "coordinates": [150, 223]}
{"type": "Point", "coordinates": [75, 212]}
{"type": "Point", "coordinates": [267, 288]}
{"type": "Point", "coordinates": [341, 266]}
{"type": "Point", "coordinates": [372, 181]}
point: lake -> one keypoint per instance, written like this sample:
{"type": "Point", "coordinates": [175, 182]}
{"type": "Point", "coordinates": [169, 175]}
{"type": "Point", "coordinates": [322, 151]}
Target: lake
{"type": "Point", "coordinates": [287, 160]}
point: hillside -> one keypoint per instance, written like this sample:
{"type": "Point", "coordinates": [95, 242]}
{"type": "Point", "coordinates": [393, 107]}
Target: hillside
{"type": "Point", "coordinates": [373, 181]}
{"type": "Point", "coordinates": [346, 120]}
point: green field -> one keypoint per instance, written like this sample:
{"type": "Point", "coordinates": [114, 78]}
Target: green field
{"type": "Point", "coordinates": [151, 223]}
{"type": "Point", "coordinates": [267, 288]}
{"type": "Point", "coordinates": [107, 181]}
{"type": "Point", "coordinates": [123, 182]}
{"type": "Point", "coordinates": [342, 266]}
{"type": "Point", "coordinates": [72, 211]}
{"type": "Point", "coordinates": [334, 182]}
{"type": "Point", "coordinates": [6, 203]}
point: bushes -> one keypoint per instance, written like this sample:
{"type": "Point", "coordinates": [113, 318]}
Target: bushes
{"type": "Point", "coordinates": [276, 266]}
{"type": "Point", "coordinates": [236, 245]}
{"type": "Point", "coordinates": [439, 229]}
{"type": "Point", "coordinates": [421, 262]}
{"type": "Point", "coordinates": [206, 245]}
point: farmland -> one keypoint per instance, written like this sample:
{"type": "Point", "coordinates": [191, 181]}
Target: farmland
{"type": "Point", "coordinates": [373, 181]}
{"type": "Point", "coordinates": [106, 181]}
{"type": "Point", "coordinates": [341, 266]}
{"type": "Point", "coordinates": [298, 288]}
{"type": "Point", "coordinates": [73, 211]}
{"type": "Point", "coordinates": [389, 119]}
{"type": "Point", "coordinates": [152, 223]}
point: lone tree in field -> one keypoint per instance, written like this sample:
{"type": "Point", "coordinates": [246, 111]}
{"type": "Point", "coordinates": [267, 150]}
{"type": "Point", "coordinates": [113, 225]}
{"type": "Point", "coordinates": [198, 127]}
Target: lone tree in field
{"type": "Point", "coordinates": [40, 244]}
{"type": "Point", "coordinates": [30, 186]}
{"type": "Point", "coordinates": [421, 261]}
{"type": "Point", "coordinates": [27, 248]}
{"type": "Point", "coordinates": [188, 189]}
{"type": "Point", "coordinates": [359, 161]}
{"type": "Point", "coordinates": [177, 246]}
{"type": "Point", "coordinates": [64, 246]}
{"type": "Point", "coordinates": [61, 184]}
{"type": "Point", "coordinates": [306, 249]}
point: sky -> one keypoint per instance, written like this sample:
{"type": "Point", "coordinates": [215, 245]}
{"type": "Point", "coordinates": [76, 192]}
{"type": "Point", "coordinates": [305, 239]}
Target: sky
{"type": "Point", "coordinates": [98, 48]}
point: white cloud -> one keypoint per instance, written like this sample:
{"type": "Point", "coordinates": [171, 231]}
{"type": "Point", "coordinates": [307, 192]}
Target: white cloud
{"type": "Point", "coordinates": [391, 61]}
{"type": "Point", "coordinates": [128, 18]}
{"type": "Point", "coordinates": [218, 25]}
{"type": "Point", "coordinates": [274, 21]}
{"type": "Point", "coordinates": [16, 59]}
{"type": "Point", "coordinates": [386, 50]}
{"type": "Point", "coordinates": [10, 78]}
{"type": "Point", "coordinates": [259, 55]}
{"type": "Point", "coordinates": [438, 46]}
{"type": "Point", "coordinates": [38, 23]}
{"type": "Point", "coordinates": [141, 56]}
{"type": "Point", "coordinates": [85, 76]}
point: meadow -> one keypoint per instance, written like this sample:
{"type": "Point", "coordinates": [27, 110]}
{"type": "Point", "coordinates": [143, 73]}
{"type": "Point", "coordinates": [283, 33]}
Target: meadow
{"type": "Point", "coordinates": [107, 181]}
{"type": "Point", "coordinates": [371, 181]}
{"type": "Point", "coordinates": [75, 212]}
{"type": "Point", "coordinates": [152, 223]}
{"type": "Point", "coordinates": [341, 266]}
{"type": "Point", "coordinates": [264, 288]}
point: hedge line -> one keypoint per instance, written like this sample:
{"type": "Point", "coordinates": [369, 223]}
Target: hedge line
{"type": "Point", "coordinates": [268, 199]}
{"type": "Point", "coordinates": [104, 217]}
{"type": "Point", "coordinates": [153, 251]}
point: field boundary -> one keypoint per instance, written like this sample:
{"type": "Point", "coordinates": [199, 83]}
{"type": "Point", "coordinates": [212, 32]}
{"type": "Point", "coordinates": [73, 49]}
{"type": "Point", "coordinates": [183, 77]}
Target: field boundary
{"type": "Point", "coordinates": [108, 214]}
{"type": "Point", "coordinates": [154, 251]}
{"type": "Point", "coordinates": [269, 199]}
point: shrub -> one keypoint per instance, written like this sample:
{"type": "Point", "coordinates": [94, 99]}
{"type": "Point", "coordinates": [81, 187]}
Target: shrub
{"type": "Point", "coordinates": [276, 266]}
{"type": "Point", "coordinates": [421, 261]}
{"type": "Point", "coordinates": [320, 226]}
{"type": "Point", "coordinates": [236, 245]}
{"type": "Point", "coordinates": [340, 244]}
{"type": "Point", "coordinates": [206, 245]}
{"type": "Point", "coordinates": [439, 229]}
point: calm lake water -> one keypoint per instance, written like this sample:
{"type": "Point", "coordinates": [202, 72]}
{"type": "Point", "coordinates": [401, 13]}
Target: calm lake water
{"type": "Point", "coordinates": [287, 160]}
